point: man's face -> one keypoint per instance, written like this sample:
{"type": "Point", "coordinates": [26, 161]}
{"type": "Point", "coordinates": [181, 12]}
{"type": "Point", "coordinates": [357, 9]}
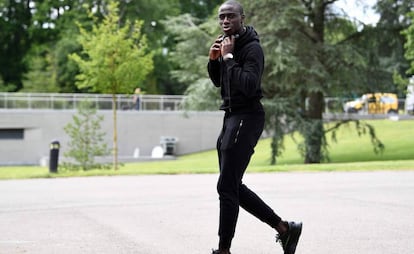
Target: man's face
{"type": "Point", "coordinates": [230, 19]}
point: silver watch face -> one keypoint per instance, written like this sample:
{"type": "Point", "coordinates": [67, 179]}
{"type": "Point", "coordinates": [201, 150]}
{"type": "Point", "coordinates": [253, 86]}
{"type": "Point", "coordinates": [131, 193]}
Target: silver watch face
{"type": "Point", "coordinates": [228, 55]}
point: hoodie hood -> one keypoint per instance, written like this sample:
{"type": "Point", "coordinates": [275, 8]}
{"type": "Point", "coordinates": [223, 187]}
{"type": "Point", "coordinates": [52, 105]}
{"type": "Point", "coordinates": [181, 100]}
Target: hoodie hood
{"type": "Point", "coordinates": [248, 36]}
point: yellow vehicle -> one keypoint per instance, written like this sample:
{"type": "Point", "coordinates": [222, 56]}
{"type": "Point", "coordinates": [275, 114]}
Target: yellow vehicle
{"type": "Point", "coordinates": [373, 103]}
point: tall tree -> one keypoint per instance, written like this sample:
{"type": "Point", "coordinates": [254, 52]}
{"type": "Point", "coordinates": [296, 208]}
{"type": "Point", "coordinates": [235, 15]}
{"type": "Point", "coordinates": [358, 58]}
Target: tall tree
{"type": "Point", "coordinates": [384, 45]}
{"type": "Point", "coordinates": [163, 42]}
{"type": "Point", "coordinates": [114, 60]}
{"type": "Point", "coordinates": [303, 66]}
{"type": "Point", "coordinates": [15, 19]}
{"type": "Point", "coordinates": [193, 37]}
{"type": "Point", "coordinates": [390, 40]}
{"type": "Point", "coordinates": [308, 57]}
{"type": "Point", "coordinates": [409, 45]}
{"type": "Point", "coordinates": [152, 12]}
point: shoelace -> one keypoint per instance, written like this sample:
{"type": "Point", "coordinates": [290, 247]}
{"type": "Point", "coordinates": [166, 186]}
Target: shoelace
{"type": "Point", "coordinates": [280, 240]}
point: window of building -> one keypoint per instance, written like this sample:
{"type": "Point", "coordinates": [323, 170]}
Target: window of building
{"type": "Point", "coordinates": [11, 134]}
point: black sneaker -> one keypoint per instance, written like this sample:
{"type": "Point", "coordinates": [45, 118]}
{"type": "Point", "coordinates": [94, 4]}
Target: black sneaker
{"type": "Point", "coordinates": [217, 252]}
{"type": "Point", "coordinates": [289, 240]}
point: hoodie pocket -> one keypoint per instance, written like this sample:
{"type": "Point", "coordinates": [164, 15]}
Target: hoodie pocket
{"type": "Point", "coordinates": [231, 135]}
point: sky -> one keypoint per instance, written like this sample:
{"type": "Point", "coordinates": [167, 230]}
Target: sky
{"type": "Point", "coordinates": [359, 9]}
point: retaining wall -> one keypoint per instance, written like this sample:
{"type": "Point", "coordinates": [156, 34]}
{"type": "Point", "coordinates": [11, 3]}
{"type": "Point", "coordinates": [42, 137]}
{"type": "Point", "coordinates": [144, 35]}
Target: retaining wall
{"type": "Point", "coordinates": [138, 132]}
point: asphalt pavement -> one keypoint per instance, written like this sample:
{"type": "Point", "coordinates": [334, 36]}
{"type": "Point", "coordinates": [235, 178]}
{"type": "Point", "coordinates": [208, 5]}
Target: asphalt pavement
{"type": "Point", "coordinates": [342, 213]}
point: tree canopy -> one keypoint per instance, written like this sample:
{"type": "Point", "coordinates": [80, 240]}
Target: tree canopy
{"type": "Point", "coordinates": [409, 45]}
{"type": "Point", "coordinates": [311, 53]}
{"type": "Point", "coordinates": [115, 59]}
{"type": "Point", "coordinates": [37, 37]}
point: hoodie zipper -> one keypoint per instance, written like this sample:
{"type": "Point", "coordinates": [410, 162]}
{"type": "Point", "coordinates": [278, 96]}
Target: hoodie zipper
{"type": "Point", "coordinates": [229, 89]}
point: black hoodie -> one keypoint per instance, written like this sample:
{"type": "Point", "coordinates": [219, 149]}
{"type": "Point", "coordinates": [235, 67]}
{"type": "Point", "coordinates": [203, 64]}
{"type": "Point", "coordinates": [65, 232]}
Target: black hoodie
{"type": "Point", "coordinates": [240, 77]}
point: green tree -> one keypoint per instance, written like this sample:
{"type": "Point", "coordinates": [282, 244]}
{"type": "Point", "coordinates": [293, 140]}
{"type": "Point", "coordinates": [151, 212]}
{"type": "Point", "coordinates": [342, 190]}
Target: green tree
{"type": "Point", "coordinates": [193, 37]}
{"type": "Point", "coordinates": [114, 60]}
{"type": "Point", "coordinates": [54, 36]}
{"type": "Point", "coordinates": [43, 32]}
{"type": "Point", "coordinates": [41, 77]}
{"type": "Point", "coordinates": [383, 46]}
{"type": "Point", "coordinates": [152, 12]}
{"type": "Point", "coordinates": [200, 9]}
{"type": "Point", "coordinates": [409, 45]}
{"type": "Point", "coordinates": [308, 56]}
{"type": "Point", "coordinates": [86, 139]}
{"type": "Point", "coordinates": [15, 19]}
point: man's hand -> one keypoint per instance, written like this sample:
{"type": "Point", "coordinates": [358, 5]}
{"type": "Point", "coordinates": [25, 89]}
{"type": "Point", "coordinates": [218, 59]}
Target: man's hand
{"type": "Point", "coordinates": [222, 47]}
{"type": "Point", "coordinates": [227, 46]}
{"type": "Point", "coordinates": [215, 50]}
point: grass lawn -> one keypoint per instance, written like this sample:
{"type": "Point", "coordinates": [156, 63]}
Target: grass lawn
{"type": "Point", "coordinates": [351, 152]}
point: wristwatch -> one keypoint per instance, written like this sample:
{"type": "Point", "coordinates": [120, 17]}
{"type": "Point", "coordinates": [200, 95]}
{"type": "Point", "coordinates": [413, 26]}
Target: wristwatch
{"type": "Point", "coordinates": [228, 56]}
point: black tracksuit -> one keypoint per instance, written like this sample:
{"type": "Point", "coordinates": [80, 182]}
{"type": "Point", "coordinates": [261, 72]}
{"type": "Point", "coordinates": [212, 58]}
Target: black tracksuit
{"type": "Point", "coordinates": [240, 83]}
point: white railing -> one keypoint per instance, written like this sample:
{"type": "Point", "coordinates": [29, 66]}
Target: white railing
{"type": "Point", "coordinates": [70, 101]}
{"type": "Point", "coordinates": [61, 101]}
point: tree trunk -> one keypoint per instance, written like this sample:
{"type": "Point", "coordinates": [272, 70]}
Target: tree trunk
{"type": "Point", "coordinates": [115, 134]}
{"type": "Point", "coordinates": [314, 134]}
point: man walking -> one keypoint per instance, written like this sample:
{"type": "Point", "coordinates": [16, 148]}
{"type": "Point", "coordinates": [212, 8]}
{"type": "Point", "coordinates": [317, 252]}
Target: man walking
{"type": "Point", "coordinates": [236, 65]}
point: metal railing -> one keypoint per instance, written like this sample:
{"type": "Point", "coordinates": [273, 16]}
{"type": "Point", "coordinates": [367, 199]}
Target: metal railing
{"type": "Point", "coordinates": [70, 101]}
{"type": "Point", "coordinates": [61, 101]}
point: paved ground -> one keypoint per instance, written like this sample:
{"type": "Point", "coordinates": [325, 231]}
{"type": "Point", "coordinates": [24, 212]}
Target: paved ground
{"type": "Point", "coordinates": [343, 213]}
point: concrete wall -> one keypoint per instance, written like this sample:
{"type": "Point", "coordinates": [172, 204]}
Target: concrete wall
{"type": "Point", "coordinates": [196, 131]}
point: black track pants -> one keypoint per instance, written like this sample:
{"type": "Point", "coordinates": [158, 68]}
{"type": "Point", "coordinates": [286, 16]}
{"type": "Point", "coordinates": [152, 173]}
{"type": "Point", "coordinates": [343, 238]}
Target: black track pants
{"type": "Point", "coordinates": [235, 146]}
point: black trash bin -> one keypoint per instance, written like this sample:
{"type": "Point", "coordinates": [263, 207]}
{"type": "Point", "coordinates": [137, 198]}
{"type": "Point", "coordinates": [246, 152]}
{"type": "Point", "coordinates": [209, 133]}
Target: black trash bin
{"type": "Point", "coordinates": [54, 156]}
